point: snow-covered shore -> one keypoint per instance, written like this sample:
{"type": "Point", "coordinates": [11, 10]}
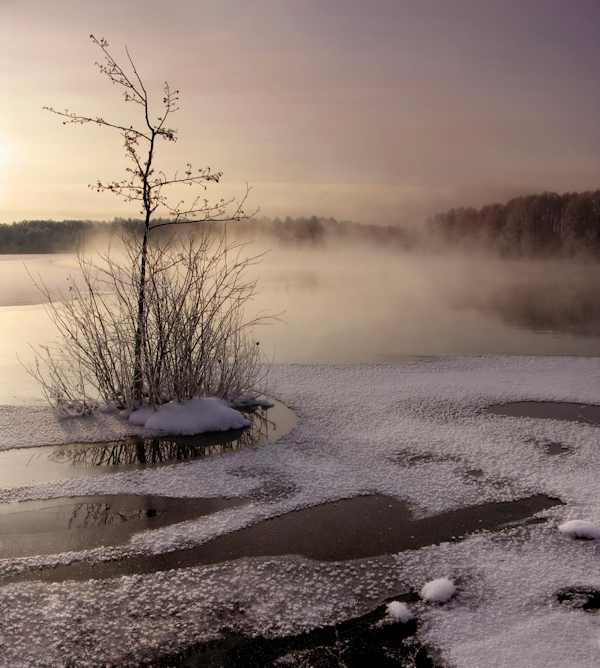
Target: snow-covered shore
{"type": "Point", "coordinates": [411, 431]}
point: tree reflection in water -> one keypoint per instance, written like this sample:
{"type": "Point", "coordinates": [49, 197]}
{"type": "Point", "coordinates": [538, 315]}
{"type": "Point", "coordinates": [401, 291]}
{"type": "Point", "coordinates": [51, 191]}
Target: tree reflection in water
{"type": "Point", "coordinates": [163, 449]}
{"type": "Point", "coordinates": [575, 312]}
{"type": "Point", "coordinates": [86, 515]}
{"type": "Point", "coordinates": [54, 526]}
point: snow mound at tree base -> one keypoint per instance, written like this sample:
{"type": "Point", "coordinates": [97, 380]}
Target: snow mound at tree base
{"type": "Point", "coordinates": [194, 416]}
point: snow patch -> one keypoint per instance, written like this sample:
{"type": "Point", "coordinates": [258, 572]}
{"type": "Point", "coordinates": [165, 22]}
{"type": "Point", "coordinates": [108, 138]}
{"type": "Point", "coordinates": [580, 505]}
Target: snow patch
{"type": "Point", "coordinates": [245, 401]}
{"type": "Point", "coordinates": [580, 529]}
{"type": "Point", "coordinates": [139, 417]}
{"type": "Point", "coordinates": [438, 591]}
{"type": "Point", "coordinates": [194, 416]}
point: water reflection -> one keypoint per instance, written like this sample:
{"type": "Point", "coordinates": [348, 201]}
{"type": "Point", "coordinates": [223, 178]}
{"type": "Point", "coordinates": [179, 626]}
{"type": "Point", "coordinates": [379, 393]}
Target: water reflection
{"type": "Point", "coordinates": [356, 528]}
{"type": "Point", "coordinates": [356, 306]}
{"type": "Point", "coordinates": [86, 515]}
{"type": "Point", "coordinates": [83, 523]}
{"type": "Point", "coordinates": [144, 451]}
{"type": "Point", "coordinates": [27, 466]}
{"type": "Point", "coordinates": [159, 450]}
{"type": "Point", "coordinates": [541, 309]}
{"type": "Point", "coordinates": [351, 305]}
{"type": "Point", "coordinates": [42, 517]}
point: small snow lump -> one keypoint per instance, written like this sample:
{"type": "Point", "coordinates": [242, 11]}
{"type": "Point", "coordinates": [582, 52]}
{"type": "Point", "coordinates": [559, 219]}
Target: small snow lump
{"type": "Point", "coordinates": [580, 529]}
{"type": "Point", "coordinates": [438, 591]}
{"type": "Point", "coordinates": [399, 612]}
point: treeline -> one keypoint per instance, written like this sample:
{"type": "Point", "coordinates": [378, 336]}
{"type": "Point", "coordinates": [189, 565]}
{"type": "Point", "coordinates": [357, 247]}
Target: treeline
{"type": "Point", "coordinates": [318, 231]}
{"type": "Point", "coordinates": [47, 236]}
{"type": "Point", "coordinates": [531, 225]}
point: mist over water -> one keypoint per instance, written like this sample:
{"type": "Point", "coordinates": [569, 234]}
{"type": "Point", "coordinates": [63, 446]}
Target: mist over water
{"type": "Point", "coordinates": [353, 304]}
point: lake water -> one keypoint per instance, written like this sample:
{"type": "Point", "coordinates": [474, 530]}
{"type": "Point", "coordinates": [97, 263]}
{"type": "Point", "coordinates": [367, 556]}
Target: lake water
{"type": "Point", "coordinates": [30, 466]}
{"type": "Point", "coordinates": [354, 306]}
{"type": "Point", "coordinates": [364, 526]}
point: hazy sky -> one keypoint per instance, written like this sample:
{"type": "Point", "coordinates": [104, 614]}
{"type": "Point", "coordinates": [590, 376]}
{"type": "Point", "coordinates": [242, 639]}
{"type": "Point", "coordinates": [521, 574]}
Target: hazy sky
{"type": "Point", "coordinates": [372, 110]}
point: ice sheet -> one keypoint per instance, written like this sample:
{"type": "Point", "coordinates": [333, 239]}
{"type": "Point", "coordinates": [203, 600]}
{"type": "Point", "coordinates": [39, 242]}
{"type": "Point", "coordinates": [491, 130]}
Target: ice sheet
{"type": "Point", "coordinates": [412, 431]}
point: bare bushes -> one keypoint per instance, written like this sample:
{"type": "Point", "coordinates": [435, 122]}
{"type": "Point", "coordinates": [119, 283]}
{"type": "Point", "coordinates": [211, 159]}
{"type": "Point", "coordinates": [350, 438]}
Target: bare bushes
{"type": "Point", "coordinates": [163, 319]}
{"type": "Point", "coordinates": [194, 338]}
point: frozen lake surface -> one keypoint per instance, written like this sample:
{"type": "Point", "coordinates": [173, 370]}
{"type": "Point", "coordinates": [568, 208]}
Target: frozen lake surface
{"type": "Point", "coordinates": [416, 431]}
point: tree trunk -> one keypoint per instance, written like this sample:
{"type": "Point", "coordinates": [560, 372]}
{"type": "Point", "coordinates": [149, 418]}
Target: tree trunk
{"type": "Point", "coordinates": [138, 379]}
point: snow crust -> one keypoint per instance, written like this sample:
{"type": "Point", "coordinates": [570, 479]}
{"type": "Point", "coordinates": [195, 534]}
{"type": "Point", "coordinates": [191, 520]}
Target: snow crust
{"type": "Point", "coordinates": [194, 416]}
{"type": "Point", "coordinates": [439, 590]}
{"type": "Point", "coordinates": [413, 431]}
{"type": "Point", "coordinates": [580, 529]}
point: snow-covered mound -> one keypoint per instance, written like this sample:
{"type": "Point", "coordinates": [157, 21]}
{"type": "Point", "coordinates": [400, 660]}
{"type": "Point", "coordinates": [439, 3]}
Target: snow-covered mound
{"type": "Point", "coordinates": [580, 529]}
{"type": "Point", "coordinates": [194, 416]}
{"type": "Point", "coordinates": [438, 591]}
{"type": "Point", "coordinates": [399, 612]}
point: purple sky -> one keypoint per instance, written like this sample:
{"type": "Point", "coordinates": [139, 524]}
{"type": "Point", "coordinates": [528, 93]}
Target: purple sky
{"type": "Point", "coordinates": [373, 110]}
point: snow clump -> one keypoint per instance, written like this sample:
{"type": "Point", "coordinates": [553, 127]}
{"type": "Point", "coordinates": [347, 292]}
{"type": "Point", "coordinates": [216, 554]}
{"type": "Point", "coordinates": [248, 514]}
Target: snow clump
{"type": "Point", "coordinates": [438, 591]}
{"type": "Point", "coordinates": [399, 612]}
{"type": "Point", "coordinates": [580, 529]}
{"type": "Point", "coordinates": [244, 401]}
{"type": "Point", "coordinates": [194, 416]}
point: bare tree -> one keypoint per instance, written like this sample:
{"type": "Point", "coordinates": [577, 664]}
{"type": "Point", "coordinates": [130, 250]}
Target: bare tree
{"type": "Point", "coordinates": [152, 328]}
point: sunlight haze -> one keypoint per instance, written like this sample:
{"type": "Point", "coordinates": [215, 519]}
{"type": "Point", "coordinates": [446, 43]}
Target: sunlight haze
{"type": "Point", "coordinates": [385, 111]}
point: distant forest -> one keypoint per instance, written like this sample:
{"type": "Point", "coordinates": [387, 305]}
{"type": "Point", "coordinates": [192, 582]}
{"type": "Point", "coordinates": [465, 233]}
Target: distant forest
{"type": "Point", "coordinates": [532, 225]}
{"type": "Point", "coordinates": [47, 236]}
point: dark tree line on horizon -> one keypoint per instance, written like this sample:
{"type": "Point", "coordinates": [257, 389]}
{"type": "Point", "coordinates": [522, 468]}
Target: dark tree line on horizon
{"type": "Point", "coordinates": [47, 236]}
{"type": "Point", "coordinates": [531, 225]}
{"type": "Point", "coordinates": [543, 225]}
{"type": "Point", "coordinates": [318, 231]}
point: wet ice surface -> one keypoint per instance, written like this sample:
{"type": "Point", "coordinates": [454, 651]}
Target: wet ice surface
{"type": "Point", "coordinates": [80, 523]}
{"type": "Point", "coordinates": [364, 526]}
{"type": "Point", "coordinates": [26, 466]}
{"type": "Point", "coordinates": [549, 410]}
{"type": "Point", "coordinates": [418, 433]}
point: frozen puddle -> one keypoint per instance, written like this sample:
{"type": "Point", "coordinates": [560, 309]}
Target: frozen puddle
{"type": "Point", "coordinates": [369, 640]}
{"type": "Point", "coordinates": [549, 410]}
{"type": "Point", "coordinates": [83, 523]}
{"type": "Point", "coordinates": [27, 466]}
{"type": "Point", "coordinates": [580, 598]}
{"type": "Point", "coordinates": [364, 526]}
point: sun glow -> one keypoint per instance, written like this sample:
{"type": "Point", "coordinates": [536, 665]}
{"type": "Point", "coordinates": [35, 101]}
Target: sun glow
{"type": "Point", "coordinates": [7, 155]}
